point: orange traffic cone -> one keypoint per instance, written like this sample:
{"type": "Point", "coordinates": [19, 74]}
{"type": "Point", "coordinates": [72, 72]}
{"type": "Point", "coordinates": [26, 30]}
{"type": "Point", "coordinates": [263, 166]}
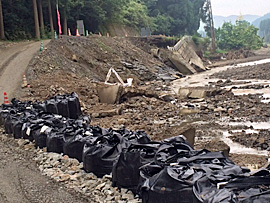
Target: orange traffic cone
{"type": "Point", "coordinates": [24, 81]}
{"type": "Point", "coordinates": [69, 33]}
{"type": "Point", "coordinates": [77, 33]}
{"type": "Point", "coordinates": [6, 98]}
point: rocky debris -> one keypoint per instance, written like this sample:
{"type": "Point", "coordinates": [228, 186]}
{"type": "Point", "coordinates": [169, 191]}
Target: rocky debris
{"type": "Point", "coordinates": [258, 140]}
{"type": "Point", "coordinates": [69, 171]}
{"type": "Point", "coordinates": [260, 72]}
{"type": "Point", "coordinates": [74, 58]}
{"type": "Point", "coordinates": [63, 54]}
{"type": "Point", "coordinates": [200, 92]}
{"type": "Point", "coordinates": [239, 54]}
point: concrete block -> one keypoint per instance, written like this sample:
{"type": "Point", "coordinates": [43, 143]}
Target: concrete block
{"type": "Point", "coordinates": [197, 94]}
{"type": "Point", "coordinates": [183, 92]}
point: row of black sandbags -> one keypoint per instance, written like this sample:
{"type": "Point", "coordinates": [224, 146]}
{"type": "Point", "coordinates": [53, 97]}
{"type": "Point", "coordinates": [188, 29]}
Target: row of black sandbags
{"type": "Point", "coordinates": [67, 105]}
{"type": "Point", "coordinates": [97, 147]}
{"type": "Point", "coordinates": [49, 130]}
{"type": "Point", "coordinates": [165, 171]}
{"type": "Point", "coordinates": [171, 171]}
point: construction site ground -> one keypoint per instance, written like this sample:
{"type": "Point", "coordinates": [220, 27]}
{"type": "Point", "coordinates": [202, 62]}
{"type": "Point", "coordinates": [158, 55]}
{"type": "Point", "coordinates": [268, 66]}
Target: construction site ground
{"type": "Point", "coordinates": [235, 114]}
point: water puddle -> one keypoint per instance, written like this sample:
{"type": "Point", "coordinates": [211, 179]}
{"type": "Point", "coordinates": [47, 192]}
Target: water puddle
{"type": "Point", "coordinates": [263, 61]}
{"type": "Point", "coordinates": [253, 125]}
{"type": "Point", "coordinates": [240, 149]}
{"type": "Point", "coordinates": [247, 131]}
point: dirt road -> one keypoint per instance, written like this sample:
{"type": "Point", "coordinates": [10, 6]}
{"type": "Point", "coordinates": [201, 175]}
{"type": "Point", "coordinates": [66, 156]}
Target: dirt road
{"type": "Point", "coordinates": [22, 182]}
{"type": "Point", "coordinates": [14, 60]}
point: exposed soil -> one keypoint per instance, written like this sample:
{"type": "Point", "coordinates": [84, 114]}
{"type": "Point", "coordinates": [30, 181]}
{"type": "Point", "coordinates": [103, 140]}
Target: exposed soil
{"type": "Point", "coordinates": [250, 72]}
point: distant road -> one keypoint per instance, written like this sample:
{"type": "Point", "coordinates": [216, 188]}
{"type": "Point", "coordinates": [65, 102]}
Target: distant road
{"type": "Point", "coordinates": [14, 60]}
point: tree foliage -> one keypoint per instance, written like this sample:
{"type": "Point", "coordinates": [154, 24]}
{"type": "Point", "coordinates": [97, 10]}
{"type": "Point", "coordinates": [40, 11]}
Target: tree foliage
{"type": "Point", "coordinates": [175, 17]}
{"type": "Point", "coordinates": [240, 35]}
{"type": "Point", "coordinates": [265, 30]}
{"type": "Point", "coordinates": [168, 17]}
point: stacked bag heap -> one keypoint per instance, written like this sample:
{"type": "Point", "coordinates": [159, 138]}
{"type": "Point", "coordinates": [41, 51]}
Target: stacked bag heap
{"type": "Point", "coordinates": [158, 171]}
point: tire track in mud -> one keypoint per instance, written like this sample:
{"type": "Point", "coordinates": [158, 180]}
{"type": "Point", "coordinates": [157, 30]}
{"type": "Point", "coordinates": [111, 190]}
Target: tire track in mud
{"type": "Point", "coordinates": [15, 61]}
{"type": "Point", "coordinates": [5, 64]}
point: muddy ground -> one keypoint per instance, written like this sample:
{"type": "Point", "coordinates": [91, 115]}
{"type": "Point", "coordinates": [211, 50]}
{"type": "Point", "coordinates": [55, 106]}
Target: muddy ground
{"type": "Point", "coordinates": [56, 71]}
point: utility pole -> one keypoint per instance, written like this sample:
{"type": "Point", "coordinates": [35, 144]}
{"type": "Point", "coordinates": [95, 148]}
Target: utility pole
{"type": "Point", "coordinates": [211, 21]}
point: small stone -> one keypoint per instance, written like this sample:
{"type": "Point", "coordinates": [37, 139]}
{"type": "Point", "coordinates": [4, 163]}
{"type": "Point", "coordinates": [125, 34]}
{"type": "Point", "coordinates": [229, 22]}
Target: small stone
{"type": "Point", "coordinates": [74, 162]}
{"type": "Point", "coordinates": [117, 198]}
{"type": "Point", "coordinates": [64, 177]}
{"type": "Point", "coordinates": [107, 177]}
{"type": "Point", "coordinates": [29, 146]}
{"type": "Point", "coordinates": [3, 138]}
{"type": "Point", "coordinates": [100, 186]}
{"type": "Point", "coordinates": [128, 196]}
{"type": "Point", "coordinates": [109, 198]}
{"type": "Point", "coordinates": [22, 142]}
{"type": "Point", "coordinates": [123, 191]}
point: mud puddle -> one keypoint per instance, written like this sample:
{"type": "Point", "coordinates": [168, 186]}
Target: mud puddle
{"type": "Point", "coordinates": [237, 148]}
{"type": "Point", "coordinates": [248, 128]}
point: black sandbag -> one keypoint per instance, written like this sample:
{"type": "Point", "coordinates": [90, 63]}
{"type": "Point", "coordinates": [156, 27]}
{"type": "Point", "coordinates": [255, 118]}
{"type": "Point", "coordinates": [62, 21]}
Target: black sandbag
{"type": "Point", "coordinates": [136, 137]}
{"type": "Point", "coordinates": [233, 189]}
{"type": "Point", "coordinates": [29, 131]}
{"type": "Point", "coordinates": [17, 133]}
{"type": "Point", "coordinates": [41, 136]}
{"type": "Point", "coordinates": [18, 125]}
{"type": "Point", "coordinates": [62, 106]}
{"type": "Point", "coordinates": [171, 185]}
{"type": "Point", "coordinates": [126, 173]}
{"type": "Point", "coordinates": [172, 149]}
{"type": "Point", "coordinates": [98, 157]}
{"type": "Point", "coordinates": [9, 123]}
{"type": "Point", "coordinates": [74, 105]}
{"type": "Point", "coordinates": [3, 115]}
{"type": "Point", "coordinates": [73, 146]}
{"type": "Point", "coordinates": [55, 142]}
{"type": "Point", "coordinates": [40, 106]}
{"type": "Point", "coordinates": [51, 106]}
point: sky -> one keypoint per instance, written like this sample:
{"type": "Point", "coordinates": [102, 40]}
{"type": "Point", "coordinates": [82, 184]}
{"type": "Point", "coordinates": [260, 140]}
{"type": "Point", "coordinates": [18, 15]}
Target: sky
{"type": "Point", "coordinates": [237, 7]}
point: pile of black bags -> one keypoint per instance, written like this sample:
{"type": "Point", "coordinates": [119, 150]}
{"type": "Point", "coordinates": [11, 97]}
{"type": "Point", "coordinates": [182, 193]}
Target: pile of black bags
{"type": "Point", "coordinates": [158, 171]}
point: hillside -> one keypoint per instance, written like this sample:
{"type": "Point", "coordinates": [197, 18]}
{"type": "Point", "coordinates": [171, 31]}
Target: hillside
{"type": "Point", "coordinates": [219, 20]}
{"type": "Point", "coordinates": [257, 22]}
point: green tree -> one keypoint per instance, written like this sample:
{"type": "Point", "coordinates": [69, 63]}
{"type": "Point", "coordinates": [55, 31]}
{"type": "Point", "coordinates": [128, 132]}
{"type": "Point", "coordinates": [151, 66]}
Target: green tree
{"type": "Point", "coordinates": [136, 14]}
{"type": "Point", "coordinates": [238, 36]}
{"type": "Point", "coordinates": [264, 31]}
{"type": "Point", "coordinates": [183, 16]}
